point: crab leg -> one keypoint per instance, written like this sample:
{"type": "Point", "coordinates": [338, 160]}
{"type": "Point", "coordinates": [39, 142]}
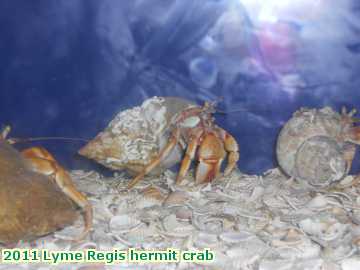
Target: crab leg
{"type": "Point", "coordinates": [43, 162]}
{"type": "Point", "coordinates": [155, 162]}
{"type": "Point", "coordinates": [349, 154]}
{"type": "Point", "coordinates": [350, 150]}
{"type": "Point", "coordinates": [232, 147]}
{"type": "Point", "coordinates": [355, 135]}
{"type": "Point", "coordinates": [189, 156]}
{"type": "Point", "coordinates": [349, 114]}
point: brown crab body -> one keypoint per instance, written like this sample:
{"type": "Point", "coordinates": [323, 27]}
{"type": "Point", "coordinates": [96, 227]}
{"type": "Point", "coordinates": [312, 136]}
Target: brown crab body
{"type": "Point", "coordinates": [31, 205]}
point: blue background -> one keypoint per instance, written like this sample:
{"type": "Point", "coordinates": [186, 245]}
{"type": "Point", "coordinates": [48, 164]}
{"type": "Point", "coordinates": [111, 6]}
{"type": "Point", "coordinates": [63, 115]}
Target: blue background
{"type": "Point", "coordinates": [68, 67]}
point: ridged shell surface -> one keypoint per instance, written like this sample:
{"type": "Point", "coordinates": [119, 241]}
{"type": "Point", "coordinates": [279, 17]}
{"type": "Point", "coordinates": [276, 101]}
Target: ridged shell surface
{"type": "Point", "coordinates": [310, 147]}
{"type": "Point", "coordinates": [135, 136]}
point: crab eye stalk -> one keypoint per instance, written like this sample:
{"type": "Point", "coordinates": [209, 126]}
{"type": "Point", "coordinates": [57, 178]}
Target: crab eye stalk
{"type": "Point", "coordinates": [209, 107]}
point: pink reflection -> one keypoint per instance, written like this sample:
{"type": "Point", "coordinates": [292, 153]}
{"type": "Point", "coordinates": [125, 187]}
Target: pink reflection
{"type": "Point", "coordinates": [278, 42]}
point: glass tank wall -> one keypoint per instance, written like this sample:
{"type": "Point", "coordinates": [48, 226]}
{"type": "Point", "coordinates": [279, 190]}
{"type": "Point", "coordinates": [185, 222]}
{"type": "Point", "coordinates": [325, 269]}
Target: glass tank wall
{"type": "Point", "coordinates": [69, 67]}
{"type": "Point", "coordinates": [134, 84]}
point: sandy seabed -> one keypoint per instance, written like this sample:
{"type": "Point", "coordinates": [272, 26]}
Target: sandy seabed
{"type": "Point", "coordinates": [248, 221]}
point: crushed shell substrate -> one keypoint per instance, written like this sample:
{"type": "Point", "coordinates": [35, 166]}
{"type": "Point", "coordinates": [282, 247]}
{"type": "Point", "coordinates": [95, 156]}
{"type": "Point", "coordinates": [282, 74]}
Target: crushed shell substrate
{"type": "Point", "coordinates": [248, 221]}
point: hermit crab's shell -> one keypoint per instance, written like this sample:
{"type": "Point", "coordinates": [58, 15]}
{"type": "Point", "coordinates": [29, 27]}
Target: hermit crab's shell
{"type": "Point", "coordinates": [135, 136]}
{"type": "Point", "coordinates": [310, 146]}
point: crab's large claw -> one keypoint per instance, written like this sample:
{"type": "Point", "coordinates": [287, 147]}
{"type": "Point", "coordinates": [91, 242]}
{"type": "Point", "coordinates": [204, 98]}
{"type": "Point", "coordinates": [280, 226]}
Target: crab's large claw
{"type": "Point", "coordinates": [211, 153]}
{"type": "Point", "coordinates": [41, 161]}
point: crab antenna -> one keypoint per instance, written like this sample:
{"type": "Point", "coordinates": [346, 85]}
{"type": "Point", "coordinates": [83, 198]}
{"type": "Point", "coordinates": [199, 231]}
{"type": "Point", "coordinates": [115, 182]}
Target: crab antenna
{"type": "Point", "coordinates": [4, 132]}
{"type": "Point", "coordinates": [22, 140]}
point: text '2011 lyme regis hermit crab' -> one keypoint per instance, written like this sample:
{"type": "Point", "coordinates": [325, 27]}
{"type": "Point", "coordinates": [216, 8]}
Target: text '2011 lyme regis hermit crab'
{"type": "Point", "coordinates": [154, 136]}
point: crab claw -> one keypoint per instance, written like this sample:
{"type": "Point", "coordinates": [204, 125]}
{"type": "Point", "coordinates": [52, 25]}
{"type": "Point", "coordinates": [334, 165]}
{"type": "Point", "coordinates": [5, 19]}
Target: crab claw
{"type": "Point", "coordinates": [211, 154]}
{"type": "Point", "coordinates": [233, 148]}
{"type": "Point", "coordinates": [41, 161]}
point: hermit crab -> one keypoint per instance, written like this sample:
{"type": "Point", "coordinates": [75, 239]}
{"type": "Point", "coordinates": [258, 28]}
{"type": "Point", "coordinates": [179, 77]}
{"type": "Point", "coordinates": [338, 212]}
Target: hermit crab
{"type": "Point", "coordinates": [37, 195]}
{"type": "Point", "coordinates": [150, 138]}
{"type": "Point", "coordinates": [317, 146]}
{"type": "Point", "coordinates": [196, 133]}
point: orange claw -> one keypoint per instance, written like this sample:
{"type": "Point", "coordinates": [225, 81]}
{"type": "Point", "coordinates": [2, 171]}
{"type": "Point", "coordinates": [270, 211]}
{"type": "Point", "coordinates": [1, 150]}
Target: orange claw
{"type": "Point", "coordinates": [41, 161]}
{"type": "Point", "coordinates": [232, 147]}
{"type": "Point", "coordinates": [211, 155]}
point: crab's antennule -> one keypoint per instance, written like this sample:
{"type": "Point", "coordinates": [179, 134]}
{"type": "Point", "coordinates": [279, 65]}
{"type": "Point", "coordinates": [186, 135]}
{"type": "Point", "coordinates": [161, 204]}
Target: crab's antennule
{"type": "Point", "coordinates": [211, 105]}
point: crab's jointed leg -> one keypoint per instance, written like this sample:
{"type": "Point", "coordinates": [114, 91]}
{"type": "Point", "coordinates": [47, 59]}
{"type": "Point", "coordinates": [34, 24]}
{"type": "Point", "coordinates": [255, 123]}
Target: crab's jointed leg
{"type": "Point", "coordinates": [232, 148]}
{"type": "Point", "coordinates": [189, 156]}
{"type": "Point", "coordinates": [348, 114]}
{"type": "Point", "coordinates": [43, 162]}
{"type": "Point", "coordinates": [355, 135]}
{"type": "Point", "coordinates": [155, 162]}
{"type": "Point", "coordinates": [349, 154]}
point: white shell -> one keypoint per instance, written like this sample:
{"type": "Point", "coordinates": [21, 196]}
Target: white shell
{"type": "Point", "coordinates": [315, 264]}
{"type": "Point", "coordinates": [235, 237]}
{"type": "Point", "coordinates": [176, 198]}
{"type": "Point", "coordinates": [70, 232]}
{"type": "Point", "coordinates": [206, 240]}
{"type": "Point", "coordinates": [324, 227]}
{"type": "Point", "coordinates": [174, 227]}
{"type": "Point", "coordinates": [243, 253]}
{"type": "Point", "coordinates": [351, 264]}
{"type": "Point", "coordinates": [123, 223]}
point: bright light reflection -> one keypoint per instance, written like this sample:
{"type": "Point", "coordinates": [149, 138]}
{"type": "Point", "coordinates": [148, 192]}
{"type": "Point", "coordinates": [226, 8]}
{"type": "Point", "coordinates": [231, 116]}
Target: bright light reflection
{"type": "Point", "coordinates": [274, 10]}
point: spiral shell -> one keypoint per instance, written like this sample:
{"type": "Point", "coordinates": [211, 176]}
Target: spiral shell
{"type": "Point", "coordinates": [135, 136]}
{"type": "Point", "coordinates": [312, 146]}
